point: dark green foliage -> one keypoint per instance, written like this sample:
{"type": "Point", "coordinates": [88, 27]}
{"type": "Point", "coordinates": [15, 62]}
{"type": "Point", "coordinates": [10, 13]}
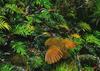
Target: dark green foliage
{"type": "Point", "coordinates": [2, 40]}
{"type": "Point", "coordinates": [25, 25]}
{"type": "Point", "coordinates": [97, 10]}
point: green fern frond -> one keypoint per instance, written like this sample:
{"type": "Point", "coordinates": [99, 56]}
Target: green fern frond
{"type": "Point", "coordinates": [6, 67]}
{"type": "Point", "coordinates": [14, 8]}
{"type": "Point", "coordinates": [84, 26]}
{"type": "Point", "coordinates": [37, 62]}
{"type": "Point", "coordinates": [63, 26]}
{"type": "Point", "coordinates": [45, 3]}
{"type": "Point", "coordinates": [71, 66]}
{"type": "Point", "coordinates": [58, 18]}
{"type": "Point", "coordinates": [92, 39]}
{"type": "Point", "coordinates": [24, 30]}
{"type": "Point", "coordinates": [4, 25]}
{"type": "Point", "coordinates": [61, 67]}
{"type": "Point", "coordinates": [19, 47]}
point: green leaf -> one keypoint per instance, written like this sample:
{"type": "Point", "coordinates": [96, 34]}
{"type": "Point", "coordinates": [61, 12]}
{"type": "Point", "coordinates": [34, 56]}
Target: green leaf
{"type": "Point", "coordinates": [84, 26]}
{"type": "Point", "coordinates": [24, 30]}
{"type": "Point", "coordinates": [37, 62]}
{"type": "Point", "coordinates": [44, 14]}
{"type": "Point", "coordinates": [14, 8]}
{"type": "Point", "coordinates": [92, 39]}
{"type": "Point", "coordinates": [6, 67]}
{"type": "Point", "coordinates": [30, 19]}
{"type": "Point", "coordinates": [4, 25]}
{"type": "Point", "coordinates": [19, 47]}
{"type": "Point", "coordinates": [45, 3]}
{"type": "Point", "coordinates": [78, 40]}
{"type": "Point", "coordinates": [64, 66]}
{"type": "Point", "coordinates": [64, 26]}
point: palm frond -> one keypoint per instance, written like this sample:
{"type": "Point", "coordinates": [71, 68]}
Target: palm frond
{"type": "Point", "coordinates": [84, 26]}
{"type": "Point", "coordinates": [4, 25]}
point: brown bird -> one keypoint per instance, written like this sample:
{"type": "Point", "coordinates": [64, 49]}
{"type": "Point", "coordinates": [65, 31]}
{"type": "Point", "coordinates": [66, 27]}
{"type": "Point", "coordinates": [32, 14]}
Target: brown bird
{"type": "Point", "coordinates": [53, 55]}
{"type": "Point", "coordinates": [58, 49]}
